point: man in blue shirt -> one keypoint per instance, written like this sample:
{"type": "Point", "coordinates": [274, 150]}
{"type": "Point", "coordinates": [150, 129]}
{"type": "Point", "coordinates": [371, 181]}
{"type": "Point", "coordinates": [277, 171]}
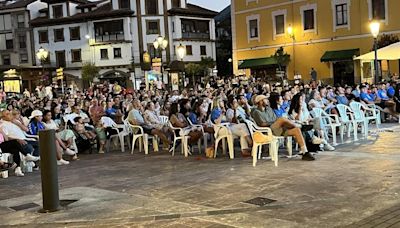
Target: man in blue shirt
{"type": "Point", "coordinates": [341, 96]}
{"type": "Point", "coordinates": [382, 94]}
{"type": "Point", "coordinates": [365, 96]}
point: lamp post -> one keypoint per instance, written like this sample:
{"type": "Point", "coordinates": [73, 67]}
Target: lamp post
{"type": "Point", "coordinates": [146, 67]}
{"type": "Point", "coordinates": [375, 26]}
{"type": "Point", "coordinates": [160, 44]}
{"type": "Point", "coordinates": [181, 51]}
{"type": "Point", "coordinates": [42, 55]}
{"type": "Point", "coordinates": [290, 32]}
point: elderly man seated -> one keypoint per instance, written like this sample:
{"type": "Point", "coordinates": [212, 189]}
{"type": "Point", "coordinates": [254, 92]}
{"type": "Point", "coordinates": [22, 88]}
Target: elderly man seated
{"type": "Point", "coordinates": [12, 131]}
{"type": "Point", "coordinates": [264, 116]}
{"type": "Point", "coordinates": [135, 117]}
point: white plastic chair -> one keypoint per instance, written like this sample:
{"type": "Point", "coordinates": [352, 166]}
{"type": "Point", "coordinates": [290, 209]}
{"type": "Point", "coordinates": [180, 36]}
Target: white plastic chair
{"type": "Point", "coordinates": [180, 134]}
{"type": "Point", "coordinates": [257, 147]}
{"type": "Point", "coordinates": [328, 122]}
{"type": "Point", "coordinates": [347, 119]}
{"type": "Point", "coordinates": [359, 118]}
{"type": "Point", "coordinates": [121, 134]}
{"type": "Point", "coordinates": [225, 138]}
{"type": "Point", "coordinates": [138, 134]}
{"type": "Point", "coordinates": [372, 112]}
{"type": "Point", "coordinates": [205, 134]}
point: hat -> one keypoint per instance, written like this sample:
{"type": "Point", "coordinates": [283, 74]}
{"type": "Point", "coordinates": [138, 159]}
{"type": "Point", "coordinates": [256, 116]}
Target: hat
{"type": "Point", "coordinates": [36, 113]}
{"type": "Point", "coordinates": [260, 98]}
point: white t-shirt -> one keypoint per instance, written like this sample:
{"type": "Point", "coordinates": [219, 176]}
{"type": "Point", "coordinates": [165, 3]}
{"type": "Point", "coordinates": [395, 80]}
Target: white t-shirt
{"type": "Point", "coordinates": [12, 130]}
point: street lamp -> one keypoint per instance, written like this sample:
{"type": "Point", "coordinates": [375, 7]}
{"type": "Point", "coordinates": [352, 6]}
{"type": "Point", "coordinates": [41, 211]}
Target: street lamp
{"type": "Point", "coordinates": [42, 55]}
{"type": "Point", "coordinates": [374, 27]}
{"type": "Point", "coordinates": [181, 51]}
{"type": "Point", "coordinates": [160, 43]}
{"type": "Point", "coordinates": [290, 32]}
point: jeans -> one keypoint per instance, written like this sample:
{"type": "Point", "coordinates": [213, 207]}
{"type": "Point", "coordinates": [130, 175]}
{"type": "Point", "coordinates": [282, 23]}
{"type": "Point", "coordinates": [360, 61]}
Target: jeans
{"type": "Point", "coordinates": [31, 147]}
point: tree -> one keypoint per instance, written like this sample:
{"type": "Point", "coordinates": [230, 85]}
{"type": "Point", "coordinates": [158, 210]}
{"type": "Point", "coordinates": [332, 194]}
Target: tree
{"type": "Point", "coordinates": [206, 63]}
{"type": "Point", "coordinates": [281, 58]}
{"type": "Point", "coordinates": [386, 40]}
{"type": "Point", "coordinates": [192, 69]}
{"type": "Point", "coordinates": [89, 71]}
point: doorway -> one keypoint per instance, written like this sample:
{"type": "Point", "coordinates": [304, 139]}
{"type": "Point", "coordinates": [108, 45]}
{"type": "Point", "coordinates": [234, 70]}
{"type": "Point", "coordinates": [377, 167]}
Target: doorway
{"type": "Point", "coordinates": [343, 73]}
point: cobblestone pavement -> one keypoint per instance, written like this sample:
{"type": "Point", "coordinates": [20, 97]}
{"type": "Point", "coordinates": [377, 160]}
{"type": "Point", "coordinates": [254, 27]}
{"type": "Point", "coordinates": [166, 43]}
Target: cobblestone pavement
{"type": "Point", "coordinates": [356, 186]}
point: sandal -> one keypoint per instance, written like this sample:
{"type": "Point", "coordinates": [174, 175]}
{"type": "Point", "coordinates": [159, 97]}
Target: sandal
{"type": "Point", "coordinates": [7, 166]}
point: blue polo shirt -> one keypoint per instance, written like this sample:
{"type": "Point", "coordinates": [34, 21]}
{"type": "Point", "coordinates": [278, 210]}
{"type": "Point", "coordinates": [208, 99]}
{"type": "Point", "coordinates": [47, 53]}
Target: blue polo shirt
{"type": "Point", "coordinates": [391, 91]}
{"type": "Point", "coordinates": [215, 114]}
{"type": "Point", "coordinates": [366, 96]}
{"type": "Point", "coordinates": [279, 112]}
{"type": "Point", "coordinates": [383, 95]}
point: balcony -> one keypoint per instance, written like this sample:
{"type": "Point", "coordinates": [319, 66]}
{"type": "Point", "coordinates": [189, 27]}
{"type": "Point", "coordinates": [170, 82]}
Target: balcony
{"type": "Point", "coordinates": [195, 35]}
{"type": "Point", "coordinates": [109, 37]}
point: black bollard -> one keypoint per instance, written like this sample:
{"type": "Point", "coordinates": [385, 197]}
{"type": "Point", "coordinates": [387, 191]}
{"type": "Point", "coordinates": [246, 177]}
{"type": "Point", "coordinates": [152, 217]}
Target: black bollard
{"type": "Point", "coordinates": [48, 170]}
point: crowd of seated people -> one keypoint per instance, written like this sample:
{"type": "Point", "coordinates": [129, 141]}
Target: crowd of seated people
{"type": "Point", "coordinates": [77, 116]}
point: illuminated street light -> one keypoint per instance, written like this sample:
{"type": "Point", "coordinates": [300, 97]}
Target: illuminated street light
{"type": "Point", "coordinates": [42, 55]}
{"type": "Point", "coordinates": [87, 36]}
{"type": "Point", "coordinates": [375, 27]}
{"type": "Point", "coordinates": [181, 50]}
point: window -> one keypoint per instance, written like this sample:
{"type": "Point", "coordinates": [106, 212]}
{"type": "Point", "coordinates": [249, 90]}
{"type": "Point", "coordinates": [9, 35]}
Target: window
{"type": "Point", "coordinates": [308, 19]}
{"type": "Point", "coordinates": [23, 58]}
{"type": "Point", "coordinates": [199, 29]}
{"type": "Point", "coordinates": [279, 24]}
{"type": "Point", "coordinates": [153, 27]}
{"type": "Point", "coordinates": [378, 9]}
{"type": "Point", "coordinates": [76, 55]}
{"type": "Point", "coordinates": [6, 60]}
{"type": "Point", "coordinates": [152, 7]}
{"type": "Point", "coordinates": [5, 22]}
{"type": "Point", "coordinates": [21, 21]}
{"type": "Point", "coordinates": [43, 37]}
{"type": "Point", "coordinates": [117, 53]}
{"type": "Point", "coordinates": [176, 3]}
{"type": "Point", "coordinates": [58, 35]}
{"type": "Point", "coordinates": [57, 11]}
{"type": "Point", "coordinates": [109, 30]}
{"type": "Point", "coordinates": [9, 44]}
{"type": "Point", "coordinates": [341, 14]}
{"type": "Point", "coordinates": [22, 41]}
{"type": "Point", "coordinates": [203, 50]}
{"type": "Point", "coordinates": [60, 59]}
{"type": "Point", "coordinates": [124, 4]}
{"type": "Point", "coordinates": [253, 24]}
{"type": "Point", "coordinates": [103, 53]}
{"type": "Point", "coordinates": [74, 33]}
{"type": "Point", "coordinates": [189, 50]}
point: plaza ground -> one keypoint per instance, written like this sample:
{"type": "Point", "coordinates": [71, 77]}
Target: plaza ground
{"type": "Point", "coordinates": [356, 186]}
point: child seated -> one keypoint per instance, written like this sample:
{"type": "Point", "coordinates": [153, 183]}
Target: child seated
{"type": "Point", "coordinates": [80, 128]}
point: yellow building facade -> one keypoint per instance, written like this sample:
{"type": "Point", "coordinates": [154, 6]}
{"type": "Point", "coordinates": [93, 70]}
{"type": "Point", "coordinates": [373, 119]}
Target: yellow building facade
{"type": "Point", "coordinates": [320, 34]}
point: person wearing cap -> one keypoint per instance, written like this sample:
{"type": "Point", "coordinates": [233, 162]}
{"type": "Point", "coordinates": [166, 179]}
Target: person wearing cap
{"type": "Point", "coordinates": [35, 125]}
{"type": "Point", "coordinates": [264, 116]}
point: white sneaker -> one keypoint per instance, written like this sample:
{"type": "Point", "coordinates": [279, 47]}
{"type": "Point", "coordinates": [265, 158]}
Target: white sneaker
{"type": "Point", "coordinates": [69, 152]}
{"type": "Point", "coordinates": [62, 162]}
{"type": "Point", "coordinates": [329, 147]}
{"type": "Point", "coordinates": [317, 141]}
{"type": "Point", "coordinates": [18, 172]}
{"type": "Point", "coordinates": [29, 157]}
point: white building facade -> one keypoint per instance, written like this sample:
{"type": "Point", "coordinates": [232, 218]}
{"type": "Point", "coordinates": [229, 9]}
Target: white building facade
{"type": "Point", "coordinates": [115, 34]}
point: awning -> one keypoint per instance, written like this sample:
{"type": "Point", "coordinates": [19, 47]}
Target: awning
{"type": "Point", "coordinates": [391, 52]}
{"type": "Point", "coordinates": [340, 55]}
{"type": "Point", "coordinates": [257, 63]}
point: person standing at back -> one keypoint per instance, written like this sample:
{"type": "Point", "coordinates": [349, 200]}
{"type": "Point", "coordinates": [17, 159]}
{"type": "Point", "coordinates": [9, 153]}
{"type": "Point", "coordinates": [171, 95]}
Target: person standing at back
{"type": "Point", "coordinates": [313, 74]}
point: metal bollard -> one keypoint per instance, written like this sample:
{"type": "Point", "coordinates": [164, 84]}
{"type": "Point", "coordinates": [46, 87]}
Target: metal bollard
{"type": "Point", "coordinates": [48, 171]}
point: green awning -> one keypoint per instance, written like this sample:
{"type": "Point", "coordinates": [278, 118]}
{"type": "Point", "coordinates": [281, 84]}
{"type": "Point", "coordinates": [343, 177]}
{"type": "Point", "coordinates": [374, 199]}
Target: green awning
{"type": "Point", "coordinates": [340, 55]}
{"type": "Point", "coordinates": [257, 63]}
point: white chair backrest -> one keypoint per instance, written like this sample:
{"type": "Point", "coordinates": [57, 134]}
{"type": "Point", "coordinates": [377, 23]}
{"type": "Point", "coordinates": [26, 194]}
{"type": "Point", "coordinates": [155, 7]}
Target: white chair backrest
{"type": "Point", "coordinates": [343, 112]}
{"type": "Point", "coordinates": [252, 127]}
{"type": "Point", "coordinates": [108, 122]}
{"type": "Point", "coordinates": [357, 110]}
{"type": "Point", "coordinates": [164, 119]}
